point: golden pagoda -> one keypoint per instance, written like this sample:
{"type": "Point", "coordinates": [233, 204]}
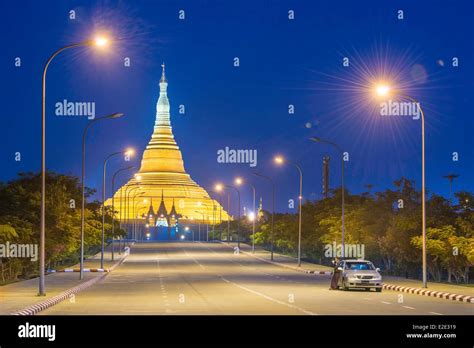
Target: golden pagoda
{"type": "Point", "coordinates": [163, 179]}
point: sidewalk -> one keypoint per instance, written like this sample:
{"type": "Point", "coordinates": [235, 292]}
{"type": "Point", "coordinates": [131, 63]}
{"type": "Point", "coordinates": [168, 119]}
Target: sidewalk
{"type": "Point", "coordinates": [16, 296]}
{"type": "Point", "coordinates": [411, 284]}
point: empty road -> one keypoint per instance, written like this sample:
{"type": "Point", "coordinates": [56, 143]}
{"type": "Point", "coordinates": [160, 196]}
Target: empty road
{"type": "Point", "coordinates": [208, 278]}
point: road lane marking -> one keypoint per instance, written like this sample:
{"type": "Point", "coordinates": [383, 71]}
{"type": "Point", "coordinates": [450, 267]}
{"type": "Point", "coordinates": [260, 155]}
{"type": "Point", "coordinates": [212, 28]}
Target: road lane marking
{"type": "Point", "coordinates": [385, 302]}
{"type": "Point", "coordinates": [408, 307]}
{"type": "Point", "coordinates": [435, 313]}
{"type": "Point", "coordinates": [268, 297]}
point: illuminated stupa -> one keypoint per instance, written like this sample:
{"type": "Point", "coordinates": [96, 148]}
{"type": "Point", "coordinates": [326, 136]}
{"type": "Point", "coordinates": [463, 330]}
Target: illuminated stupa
{"type": "Point", "coordinates": [162, 178]}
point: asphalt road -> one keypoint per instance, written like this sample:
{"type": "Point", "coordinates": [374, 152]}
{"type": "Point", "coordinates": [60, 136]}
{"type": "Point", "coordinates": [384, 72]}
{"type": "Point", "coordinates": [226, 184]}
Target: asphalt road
{"type": "Point", "coordinates": [208, 278]}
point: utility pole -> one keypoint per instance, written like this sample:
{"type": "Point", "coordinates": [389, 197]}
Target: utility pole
{"type": "Point", "coordinates": [451, 178]}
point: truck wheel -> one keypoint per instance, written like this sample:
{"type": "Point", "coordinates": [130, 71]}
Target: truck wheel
{"type": "Point", "coordinates": [378, 289]}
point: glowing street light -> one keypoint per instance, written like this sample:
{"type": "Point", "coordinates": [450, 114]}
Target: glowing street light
{"type": "Point", "coordinates": [280, 160]}
{"type": "Point", "coordinates": [41, 291]}
{"type": "Point", "coordinates": [239, 181]}
{"type": "Point", "coordinates": [101, 41]}
{"type": "Point", "coordinates": [251, 216]}
{"type": "Point", "coordinates": [382, 91]}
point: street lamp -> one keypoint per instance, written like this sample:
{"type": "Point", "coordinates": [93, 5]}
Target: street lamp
{"type": "Point", "coordinates": [84, 134]}
{"type": "Point", "coordinates": [113, 206]}
{"type": "Point", "coordinates": [338, 148]}
{"type": "Point", "coordinates": [207, 216]}
{"type": "Point", "coordinates": [273, 207]}
{"type": "Point", "coordinates": [280, 160]}
{"type": "Point", "coordinates": [98, 42]}
{"type": "Point", "coordinates": [239, 181]}
{"type": "Point", "coordinates": [134, 212]}
{"type": "Point", "coordinates": [199, 223]}
{"type": "Point", "coordinates": [126, 152]}
{"type": "Point", "coordinates": [220, 213]}
{"type": "Point", "coordinates": [127, 206]}
{"type": "Point", "coordinates": [219, 187]}
{"type": "Point", "coordinates": [383, 90]}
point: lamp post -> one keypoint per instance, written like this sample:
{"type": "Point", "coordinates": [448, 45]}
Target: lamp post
{"type": "Point", "coordinates": [239, 181]}
{"type": "Point", "coordinates": [113, 206]}
{"type": "Point", "coordinates": [139, 224]}
{"type": "Point", "coordinates": [127, 205]}
{"type": "Point", "coordinates": [383, 91]}
{"type": "Point", "coordinates": [339, 149]}
{"type": "Point", "coordinates": [132, 186]}
{"type": "Point", "coordinates": [199, 223]}
{"type": "Point", "coordinates": [272, 182]}
{"type": "Point", "coordinates": [220, 213]}
{"type": "Point", "coordinates": [84, 135]}
{"type": "Point", "coordinates": [280, 160]}
{"type": "Point", "coordinates": [218, 188]}
{"type": "Point", "coordinates": [134, 209]}
{"type": "Point", "coordinates": [128, 152]}
{"type": "Point", "coordinates": [96, 42]}
{"type": "Point", "coordinates": [207, 224]}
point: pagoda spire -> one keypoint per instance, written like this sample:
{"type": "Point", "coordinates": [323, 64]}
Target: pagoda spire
{"type": "Point", "coordinates": [163, 77]}
{"type": "Point", "coordinates": [162, 212]}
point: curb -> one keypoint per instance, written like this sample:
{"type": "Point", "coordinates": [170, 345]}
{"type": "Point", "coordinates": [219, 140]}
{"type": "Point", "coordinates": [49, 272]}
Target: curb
{"type": "Point", "coordinates": [425, 292]}
{"type": "Point", "coordinates": [36, 308]}
{"type": "Point", "coordinates": [99, 270]}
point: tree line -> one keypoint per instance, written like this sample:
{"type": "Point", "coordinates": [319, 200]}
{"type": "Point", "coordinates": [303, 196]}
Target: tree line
{"type": "Point", "coordinates": [388, 225]}
{"type": "Point", "coordinates": [20, 220]}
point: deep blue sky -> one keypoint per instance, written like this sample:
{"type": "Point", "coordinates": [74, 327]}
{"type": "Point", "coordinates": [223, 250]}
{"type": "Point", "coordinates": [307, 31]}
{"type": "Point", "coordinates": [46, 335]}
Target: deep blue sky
{"type": "Point", "coordinates": [283, 62]}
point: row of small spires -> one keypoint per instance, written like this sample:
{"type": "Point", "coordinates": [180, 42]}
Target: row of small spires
{"type": "Point", "coordinates": [162, 212]}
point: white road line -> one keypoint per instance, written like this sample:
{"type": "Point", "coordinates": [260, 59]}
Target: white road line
{"type": "Point", "coordinates": [267, 297]}
{"type": "Point", "coordinates": [408, 307]}
{"type": "Point", "coordinates": [368, 299]}
{"type": "Point", "coordinates": [385, 302]}
{"type": "Point", "coordinates": [435, 313]}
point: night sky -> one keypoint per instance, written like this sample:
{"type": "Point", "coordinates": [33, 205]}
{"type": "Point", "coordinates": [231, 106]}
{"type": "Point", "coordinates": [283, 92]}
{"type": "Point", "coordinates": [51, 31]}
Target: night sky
{"type": "Point", "coordinates": [282, 62]}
